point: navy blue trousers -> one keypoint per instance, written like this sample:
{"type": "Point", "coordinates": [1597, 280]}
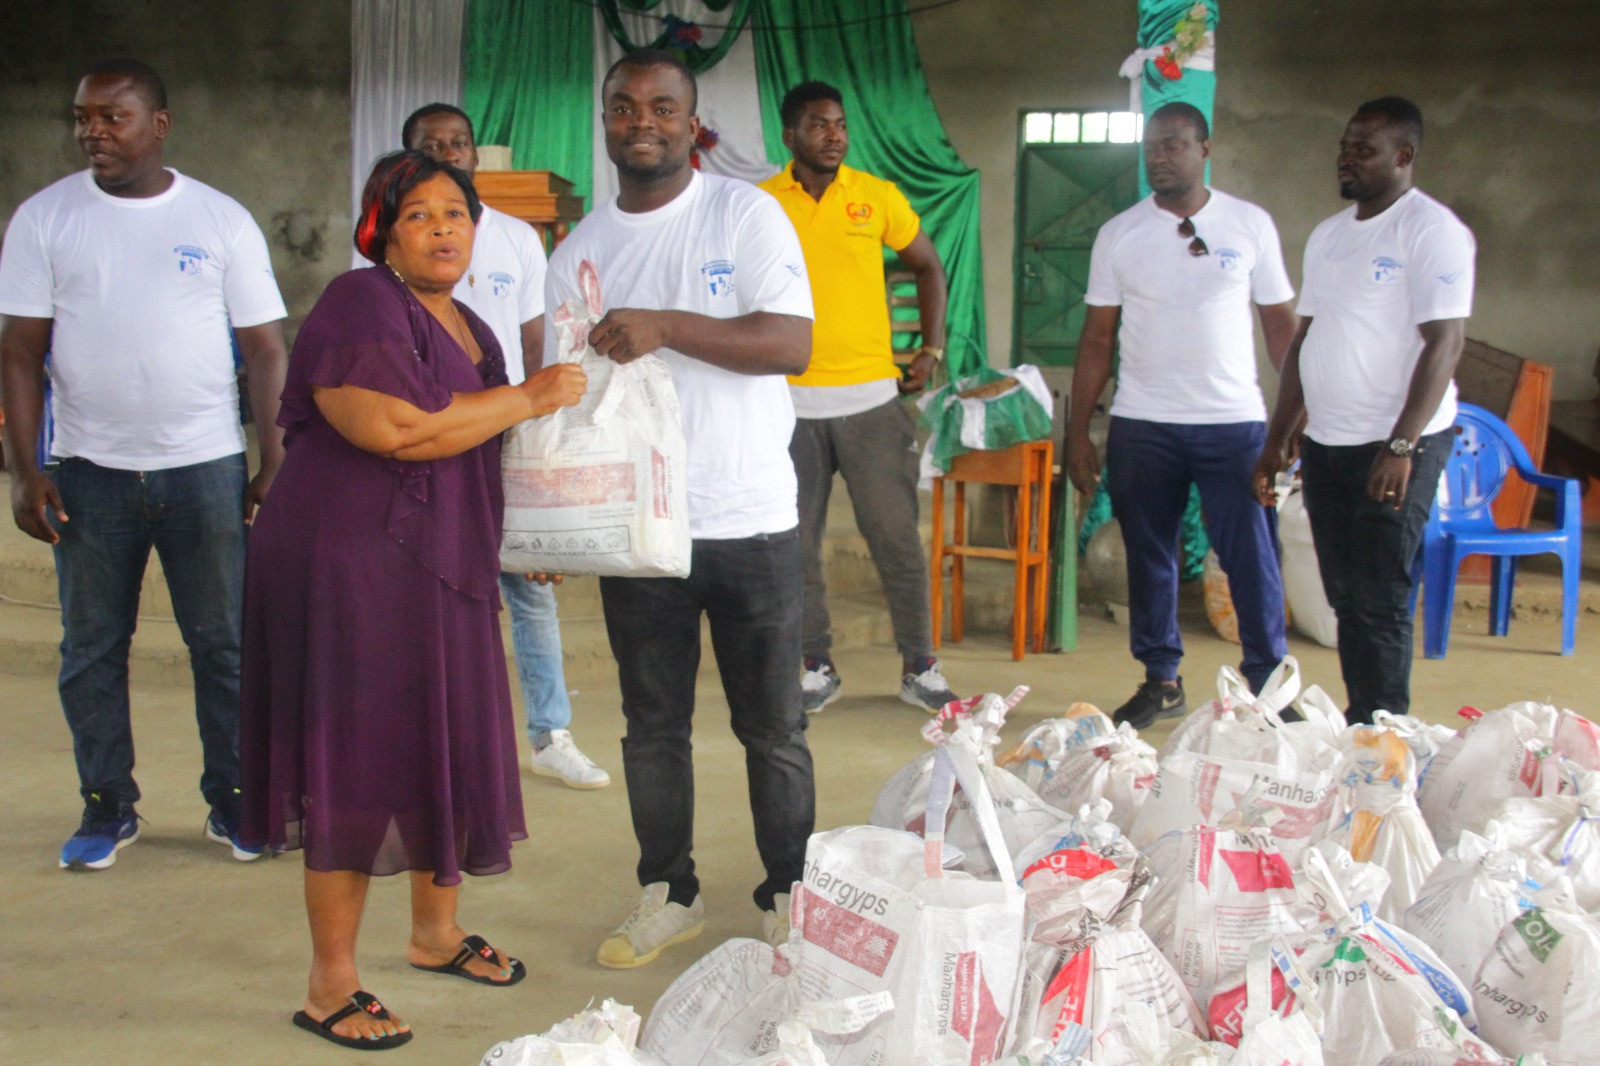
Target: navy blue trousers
{"type": "Point", "coordinates": [1150, 466]}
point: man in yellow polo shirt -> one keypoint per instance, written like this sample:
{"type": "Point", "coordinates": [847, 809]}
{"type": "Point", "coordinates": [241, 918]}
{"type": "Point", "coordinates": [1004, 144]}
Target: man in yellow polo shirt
{"type": "Point", "coordinates": [849, 416]}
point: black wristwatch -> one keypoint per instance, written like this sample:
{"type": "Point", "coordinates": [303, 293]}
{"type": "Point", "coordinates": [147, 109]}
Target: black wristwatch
{"type": "Point", "coordinates": [1402, 448]}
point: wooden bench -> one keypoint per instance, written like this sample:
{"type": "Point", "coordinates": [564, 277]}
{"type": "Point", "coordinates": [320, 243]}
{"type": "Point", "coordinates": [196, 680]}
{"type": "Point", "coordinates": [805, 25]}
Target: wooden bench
{"type": "Point", "coordinates": [1516, 390]}
{"type": "Point", "coordinates": [1575, 446]}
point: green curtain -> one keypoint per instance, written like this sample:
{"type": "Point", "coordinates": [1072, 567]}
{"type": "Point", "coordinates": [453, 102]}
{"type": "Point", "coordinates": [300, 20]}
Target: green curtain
{"type": "Point", "coordinates": [672, 36]}
{"type": "Point", "coordinates": [1198, 87]}
{"type": "Point", "coordinates": [895, 132]}
{"type": "Point", "coordinates": [528, 81]}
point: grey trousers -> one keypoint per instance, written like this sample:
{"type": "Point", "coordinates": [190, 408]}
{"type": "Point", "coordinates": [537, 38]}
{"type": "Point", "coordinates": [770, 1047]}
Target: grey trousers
{"type": "Point", "coordinates": [876, 451]}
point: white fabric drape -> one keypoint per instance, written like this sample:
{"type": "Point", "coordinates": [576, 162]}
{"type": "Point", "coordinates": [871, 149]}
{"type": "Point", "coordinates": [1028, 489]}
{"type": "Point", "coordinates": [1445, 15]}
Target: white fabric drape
{"type": "Point", "coordinates": [403, 54]}
{"type": "Point", "coordinates": [729, 100]}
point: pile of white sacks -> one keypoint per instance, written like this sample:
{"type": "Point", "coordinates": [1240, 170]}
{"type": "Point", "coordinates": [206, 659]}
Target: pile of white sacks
{"type": "Point", "coordinates": [1270, 889]}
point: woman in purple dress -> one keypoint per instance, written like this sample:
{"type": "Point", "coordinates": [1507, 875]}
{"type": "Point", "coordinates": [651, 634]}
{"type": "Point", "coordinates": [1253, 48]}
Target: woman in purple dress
{"type": "Point", "coordinates": [377, 729]}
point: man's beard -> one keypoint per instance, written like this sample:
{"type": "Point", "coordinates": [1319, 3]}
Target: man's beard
{"type": "Point", "coordinates": [649, 174]}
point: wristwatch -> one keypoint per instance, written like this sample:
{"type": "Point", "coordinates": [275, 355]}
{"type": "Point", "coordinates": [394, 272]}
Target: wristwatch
{"type": "Point", "coordinates": [937, 353]}
{"type": "Point", "coordinates": [1402, 447]}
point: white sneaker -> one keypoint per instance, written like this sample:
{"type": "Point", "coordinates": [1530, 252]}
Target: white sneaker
{"type": "Point", "coordinates": [775, 923]}
{"type": "Point", "coordinates": [654, 924]}
{"type": "Point", "coordinates": [819, 685]}
{"type": "Point", "coordinates": [927, 690]}
{"type": "Point", "coordinates": [561, 758]}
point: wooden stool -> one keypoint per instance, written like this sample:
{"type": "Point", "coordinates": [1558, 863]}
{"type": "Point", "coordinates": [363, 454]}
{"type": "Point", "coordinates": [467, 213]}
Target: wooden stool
{"type": "Point", "coordinates": [1026, 467]}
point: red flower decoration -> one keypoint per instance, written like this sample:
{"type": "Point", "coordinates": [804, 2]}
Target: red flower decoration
{"type": "Point", "coordinates": [1166, 66]}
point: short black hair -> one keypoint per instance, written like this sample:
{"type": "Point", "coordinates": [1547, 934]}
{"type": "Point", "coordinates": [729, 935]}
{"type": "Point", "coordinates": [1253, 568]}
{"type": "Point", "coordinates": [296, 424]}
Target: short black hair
{"type": "Point", "coordinates": [409, 129]}
{"type": "Point", "coordinates": [807, 92]}
{"type": "Point", "coordinates": [146, 82]}
{"type": "Point", "coordinates": [644, 59]}
{"type": "Point", "coordinates": [392, 177]}
{"type": "Point", "coordinates": [1184, 113]}
{"type": "Point", "coordinates": [1402, 114]}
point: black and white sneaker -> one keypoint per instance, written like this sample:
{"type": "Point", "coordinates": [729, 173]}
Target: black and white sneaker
{"type": "Point", "coordinates": [1154, 700]}
{"type": "Point", "coordinates": [923, 685]}
{"type": "Point", "coordinates": [819, 685]}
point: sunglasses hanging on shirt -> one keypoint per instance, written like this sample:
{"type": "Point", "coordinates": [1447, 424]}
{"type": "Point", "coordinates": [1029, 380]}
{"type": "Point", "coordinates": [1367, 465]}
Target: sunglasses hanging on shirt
{"type": "Point", "coordinates": [1196, 246]}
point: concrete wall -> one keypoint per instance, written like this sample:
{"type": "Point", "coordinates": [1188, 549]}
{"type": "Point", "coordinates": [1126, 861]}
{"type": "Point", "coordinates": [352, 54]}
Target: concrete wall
{"type": "Point", "coordinates": [260, 100]}
{"type": "Point", "coordinates": [1510, 97]}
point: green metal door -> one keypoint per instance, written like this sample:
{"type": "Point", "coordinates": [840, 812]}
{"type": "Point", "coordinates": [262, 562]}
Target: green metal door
{"type": "Point", "coordinates": [1065, 192]}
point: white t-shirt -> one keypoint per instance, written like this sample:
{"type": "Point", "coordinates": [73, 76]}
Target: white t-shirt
{"type": "Point", "coordinates": [1368, 285]}
{"type": "Point", "coordinates": [505, 283]}
{"type": "Point", "coordinates": [1186, 337]}
{"type": "Point", "coordinates": [142, 292]}
{"type": "Point", "coordinates": [722, 248]}
{"type": "Point", "coordinates": [841, 401]}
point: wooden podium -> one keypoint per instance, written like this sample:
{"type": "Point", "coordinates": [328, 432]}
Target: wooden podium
{"type": "Point", "coordinates": [540, 198]}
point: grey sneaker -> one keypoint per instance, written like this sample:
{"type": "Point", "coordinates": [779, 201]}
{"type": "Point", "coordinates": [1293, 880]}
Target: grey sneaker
{"type": "Point", "coordinates": [654, 924]}
{"type": "Point", "coordinates": [924, 686]}
{"type": "Point", "coordinates": [819, 685]}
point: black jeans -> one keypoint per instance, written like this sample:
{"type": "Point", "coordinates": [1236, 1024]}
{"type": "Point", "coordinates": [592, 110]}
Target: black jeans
{"type": "Point", "coordinates": [750, 589]}
{"type": "Point", "coordinates": [1366, 552]}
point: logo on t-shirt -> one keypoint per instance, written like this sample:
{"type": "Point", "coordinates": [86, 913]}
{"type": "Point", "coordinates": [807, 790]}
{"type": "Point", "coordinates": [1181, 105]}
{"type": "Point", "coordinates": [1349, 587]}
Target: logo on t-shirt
{"type": "Point", "coordinates": [797, 269]}
{"type": "Point", "coordinates": [502, 282]}
{"type": "Point", "coordinates": [860, 214]}
{"type": "Point", "coordinates": [719, 276]}
{"type": "Point", "coordinates": [1228, 258]}
{"type": "Point", "coordinates": [191, 259]}
{"type": "Point", "coordinates": [1386, 271]}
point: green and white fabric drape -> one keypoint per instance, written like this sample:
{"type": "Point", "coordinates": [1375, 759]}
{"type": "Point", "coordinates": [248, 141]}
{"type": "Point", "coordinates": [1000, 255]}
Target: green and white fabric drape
{"type": "Point", "coordinates": [531, 81]}
{"type": "Point", "coordinates": [1149, 87]}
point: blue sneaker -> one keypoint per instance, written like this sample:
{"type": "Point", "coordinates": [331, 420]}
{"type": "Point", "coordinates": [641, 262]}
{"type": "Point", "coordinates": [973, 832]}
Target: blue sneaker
{"type": "Point", "coordinates": [223, 827]}
{"type": "Point", "coordinates": [106, 829]}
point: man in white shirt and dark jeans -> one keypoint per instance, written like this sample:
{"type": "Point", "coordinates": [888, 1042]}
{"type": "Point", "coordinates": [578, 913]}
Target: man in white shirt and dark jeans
{"type": "Point", "coordinates": [1387, 292]}
{"type": "Point", "coordinates": [707, 273]}
{"type": "Point", "coordinates": [129, 276]}
{"type": "Point", "coordinates": [1178, 272]}
{"type": "Point", "coordinates": [505, 286]}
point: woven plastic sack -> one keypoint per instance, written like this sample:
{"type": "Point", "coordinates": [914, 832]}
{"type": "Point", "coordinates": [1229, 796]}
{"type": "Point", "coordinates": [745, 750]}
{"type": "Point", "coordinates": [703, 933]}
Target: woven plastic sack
{"type": "Point", "coordinates": [1499, 756]}
{"type": "Point", "coordinates": [1535, 991]}
{"type": "Point", "coordinates": [1082, 758]}
{"type": "Point", "coordinates": [1089, 828]}
{"type": "Point", "coordinates": [600, 1036]}
{"type": "Point", "coordinates": [877, 911]}
{"type": "Point", "coordinates": [1563, 828]}
{"type": "Point", "coordinates": [599, 487]}
{"type": "Point", "coordinates": [1475, 889]}
{"type": "Point", "coordinates": [1376, 818]}
{"type": "Point", "coordinates": [1021, 814]}
{"type": "Point", "coordinates": [1302, 579]}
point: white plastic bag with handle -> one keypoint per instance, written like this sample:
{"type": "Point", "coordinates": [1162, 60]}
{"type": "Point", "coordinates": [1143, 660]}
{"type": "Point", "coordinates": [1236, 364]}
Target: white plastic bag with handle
{"type": "Point", "coordinates": [598, 487]}
{"type": "Point", "coordinates": [1376, 818]}
{"type": "Point", "coordinates": [596, 1036]}
{"type": "Point", "coordinates": [1563, 826]}
{"type": "Point", "coordinates": [1083, 757]}
{"type": "Point", "coordinates": [1021, 814]}
{"type": "Point", "coordinates": [1279, 1030]}
{"type": "Point", "coordinates": [877, 911]}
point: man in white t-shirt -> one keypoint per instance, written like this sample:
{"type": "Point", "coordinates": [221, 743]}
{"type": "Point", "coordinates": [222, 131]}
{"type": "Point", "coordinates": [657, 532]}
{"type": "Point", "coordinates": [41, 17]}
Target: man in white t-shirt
{"type": "Point", "coordinates": [1387, 292]}
{"type": "Point", "coordinates": [129, 276]}
{"type": "Point", "coordinates": [1178, 272]}
{"type": "Point", "coordinates": [707, 273]}
{"type": "Point", "coordinates": [505, 286]}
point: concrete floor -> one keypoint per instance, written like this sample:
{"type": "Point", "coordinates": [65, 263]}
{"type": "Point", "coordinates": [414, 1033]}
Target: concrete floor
{"type": "Point", "coordinates": [180, 955]}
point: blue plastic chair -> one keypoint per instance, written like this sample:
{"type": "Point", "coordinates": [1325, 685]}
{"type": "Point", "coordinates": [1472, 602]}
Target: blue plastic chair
{"type": "Point", "coordinates": [1461, 524]}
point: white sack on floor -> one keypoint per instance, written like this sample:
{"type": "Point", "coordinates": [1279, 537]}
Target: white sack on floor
{"type": "Point", "coordinates": [1499, 756]}
{"type": "Point", "coordinates": [602, 1036]}
{"type": "Point", "coordinates": [1375, 815]}
{"type": "Point", "coordinates": [1535, 992]}
{"type": "Point", "coordinates": [1563, 828]}
{"type": "Point", "coordinates": [1021, 814]}
{"type": "Point", "coordinates": [1082, 757]}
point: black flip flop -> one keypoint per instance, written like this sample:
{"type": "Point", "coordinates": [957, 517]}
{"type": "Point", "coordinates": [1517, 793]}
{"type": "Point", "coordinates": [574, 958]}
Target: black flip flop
{"type": "Point", "coordinates": [479, 947]}
{"type": "Point", "coordinates": [360, 1001]}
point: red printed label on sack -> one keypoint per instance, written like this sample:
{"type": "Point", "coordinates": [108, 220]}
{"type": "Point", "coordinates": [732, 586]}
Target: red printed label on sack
{"type": "Point", "coordinates": [1227, 1009]}
{"type": "Point", "coordinates": [1071, 986]}
{"type": "Point", "coordinates": [1206, 787]}
{"type": "Point", "coordinates": [858, 940]}
{"type": "Point", "coordinates": [658, 474]}
{"type": "Point", "coordinates": [1257, 871]}
{"type": "Point", "coordinates": [970, 1006]}
{"type": "Point", "coordinates": [577, 486]}
{"type": "Point", "coordinates": [1471, 714]}
{"type": "Point", "coordinates": [1528, 774]}
{"type": "Point", "coordinates": [1074, 862]}
{"type": "Point", "coordinates": [1205, 844]}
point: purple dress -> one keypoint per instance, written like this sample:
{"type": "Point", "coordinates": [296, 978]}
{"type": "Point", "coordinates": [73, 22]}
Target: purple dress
{"type": "Point", "coordinates": [376, 727]}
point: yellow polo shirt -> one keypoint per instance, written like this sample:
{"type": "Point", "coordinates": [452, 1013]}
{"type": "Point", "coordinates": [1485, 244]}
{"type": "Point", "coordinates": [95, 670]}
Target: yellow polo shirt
{"type": "Point", "coordinates": [843, 236]}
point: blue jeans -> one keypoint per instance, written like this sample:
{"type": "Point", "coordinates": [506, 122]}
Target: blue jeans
{"type": "Point", "coordinates": [1150, 466]}
{"type": "Point", "coordinates": [750, 590]}
{"type": "Point", "coordinates": [536, 639]}
{"type": "Point", "coordinates": [194, 518]}
{"type": "Point", "coordinates": [1365, 553]}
